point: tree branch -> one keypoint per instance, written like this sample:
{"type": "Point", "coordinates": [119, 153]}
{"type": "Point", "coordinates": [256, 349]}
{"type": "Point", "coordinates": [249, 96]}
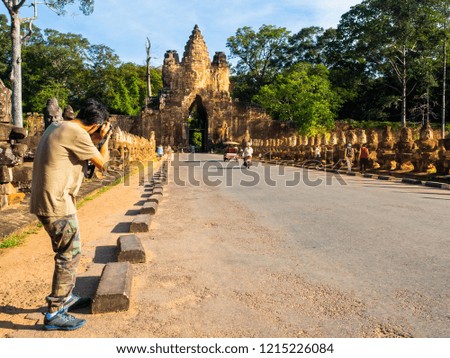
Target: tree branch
{"type": "Point", "coordinates": [18, 6]}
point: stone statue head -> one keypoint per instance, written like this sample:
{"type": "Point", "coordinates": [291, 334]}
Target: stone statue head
{"type": "Point", "coordinates": [351, 137]}
{"type": "Point", "coordinates": [304, 140]}
{"type": "Point", "coordinates": [333, 138]}
{"type": "Point", "coordinates": [318, 139]}
{"type": "Point", "coordinates": [52, 112]}
{"type": "Point", "coordinates": [362, 137]}
{"type": "Point", "coordinates": [387, 134]}
{"type": "Point", "coordinates": [341, 138]}
{"type": "Point", "coordinates": [406, 135]}
{"type": "Point", "coordinates": [373, 136]}
{"type": "Point", "coordinates": [68, 113]}
{"type": "Point", "coordinates": [426, 132]}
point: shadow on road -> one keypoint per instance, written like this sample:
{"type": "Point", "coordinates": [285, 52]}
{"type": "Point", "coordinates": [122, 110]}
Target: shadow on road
{"type": "Point", "coordinates": [105, 254]}
{"type": "Point", "coordinates": [122, 228]}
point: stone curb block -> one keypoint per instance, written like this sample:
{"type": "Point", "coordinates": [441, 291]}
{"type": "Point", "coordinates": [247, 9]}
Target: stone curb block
{"type": "Point", "coordinates": [384, 177]}
{"type": "Point", "coordinates": [157, 191]}
{"type": "Point", "coordinates": [114, 290]}
{"type": "Point", "coordinates": [433, 184]}
{"type": "Point", "coordinates": [149, 208]}
{"type": "Point", "coordinates": [155, 199]}
{"type": "Point", "coordinates": [130, 249]}
{"type": "Point", "coordinates": [141, 223]}
{"type": "Point", "coordinates": [411, 181]}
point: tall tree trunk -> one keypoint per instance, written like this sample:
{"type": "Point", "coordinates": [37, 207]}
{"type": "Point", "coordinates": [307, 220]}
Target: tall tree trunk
{"type": "Point", "coordinates": [16, 72]}
{"type": "Point", "coordinates": [443, 83]}
{"type": "Point", "coordinates": [149, 81]}
{"type": "Point", "coordinates": [404, 88]}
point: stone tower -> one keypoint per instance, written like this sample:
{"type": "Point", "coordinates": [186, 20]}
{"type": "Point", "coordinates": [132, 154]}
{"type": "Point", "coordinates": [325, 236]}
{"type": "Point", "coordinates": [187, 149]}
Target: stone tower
{"type": "Point", "coordinates": [196, 73]}
{"type": "Point", "coordinates": [201, 87]}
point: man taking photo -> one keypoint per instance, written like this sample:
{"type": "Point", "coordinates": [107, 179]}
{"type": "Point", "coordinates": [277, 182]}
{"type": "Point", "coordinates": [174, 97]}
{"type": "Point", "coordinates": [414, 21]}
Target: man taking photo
{"type": "Point", "coordinates": [57, 176]}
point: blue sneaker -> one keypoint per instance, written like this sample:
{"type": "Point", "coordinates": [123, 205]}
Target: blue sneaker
{"type": "Point", "coordinates": [75, 303]}
{"type": "Point", "coordinates": [63, 321]}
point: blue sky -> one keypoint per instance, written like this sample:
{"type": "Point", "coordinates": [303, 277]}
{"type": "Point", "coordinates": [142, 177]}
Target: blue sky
{"type": "Point", "coordinates": [124, 25]}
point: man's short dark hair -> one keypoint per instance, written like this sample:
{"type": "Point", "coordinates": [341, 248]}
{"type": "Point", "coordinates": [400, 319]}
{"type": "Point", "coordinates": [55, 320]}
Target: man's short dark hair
{"type": "Point", "coordinates": [93, 112]}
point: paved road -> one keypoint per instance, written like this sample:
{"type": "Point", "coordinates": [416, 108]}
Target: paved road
{"type": "Point", "coordinates": [380, 248]}
{"type": "Point", "coordinates": [266, 252]}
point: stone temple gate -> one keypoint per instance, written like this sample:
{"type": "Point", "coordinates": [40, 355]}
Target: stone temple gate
{"type": "Point", "coordinates": [196, 102]}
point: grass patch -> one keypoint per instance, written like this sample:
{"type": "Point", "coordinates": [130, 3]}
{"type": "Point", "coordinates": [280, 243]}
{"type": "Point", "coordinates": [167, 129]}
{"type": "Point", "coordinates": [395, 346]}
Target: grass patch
{"type": "Point", "coordinates": [14, 240]}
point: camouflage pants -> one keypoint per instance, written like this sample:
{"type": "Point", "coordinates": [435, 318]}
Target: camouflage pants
{"type": "Point", "coordinates": [65, 237]}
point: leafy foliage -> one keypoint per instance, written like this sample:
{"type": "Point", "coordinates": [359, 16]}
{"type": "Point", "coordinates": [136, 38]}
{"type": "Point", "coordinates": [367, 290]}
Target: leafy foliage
{"type": "Point", "coordinates": [302, 94]}
{"type": "Point", "coordinates": [69, 68]}
{"type": "Point", "coordinates": [385, 61]}
{"type": "Point", "coordinates": [259, 56]}
{"type": "Point", "coordinates": [86, 6]}
{"type": "Point", "coordinates": [5, 45]}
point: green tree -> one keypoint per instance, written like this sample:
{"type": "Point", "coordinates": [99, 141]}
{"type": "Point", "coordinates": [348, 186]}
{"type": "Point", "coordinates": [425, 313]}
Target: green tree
{"type": "Point", "coordinates": [125, 88]}
{"type": "Point", "coordinates": [390, 41]}
{"type": "Point", "coordinates": [306, 46]}
{"type": "Point", "coordinates": [60, 59]}
{"type": "Point", "coordinates": [13, 7]}
{"type": "Point", "coordinates": [156, 79]}
{"type": "Point", "coordinates": [101, 67]}
{"type": "Point", "coordinates": [302, 94]}
{"type": "Point", "coordinates": [260, 57]}
{"type": "Point", "coordinates": [5, 45]}
{"type": "Point", "coordinates": [441, 10]}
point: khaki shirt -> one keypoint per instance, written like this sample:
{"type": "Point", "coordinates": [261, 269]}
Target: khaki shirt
{"type": "Point", "coordinates": [58, 169]}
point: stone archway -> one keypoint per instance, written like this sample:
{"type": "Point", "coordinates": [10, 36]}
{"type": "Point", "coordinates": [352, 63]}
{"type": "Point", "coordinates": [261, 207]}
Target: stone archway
{"type": "Point", "coordinates": [198, 125]}
{"type": "Point", "coordinates": [196, 85]}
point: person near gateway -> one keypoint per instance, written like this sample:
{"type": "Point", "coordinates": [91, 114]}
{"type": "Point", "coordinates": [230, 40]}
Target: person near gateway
{"type": "Point", "coordinates": [57, 176]}
{"type": "Point", "coordinates": [248, 152]}
{"type": "Point", "coordinates": [363, 158]}
{"type": "Point", "coordinates": [349, 155]}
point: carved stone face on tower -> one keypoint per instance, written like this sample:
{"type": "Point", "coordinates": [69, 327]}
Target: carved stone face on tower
{"type": "Point", "coordinates": [199, 85]}
{"type": "Point", "coordinates": [196, 72]}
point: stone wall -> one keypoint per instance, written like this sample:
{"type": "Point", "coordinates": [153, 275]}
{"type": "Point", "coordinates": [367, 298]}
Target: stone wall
{"type": "Point", "coordinates": [12, 153]}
